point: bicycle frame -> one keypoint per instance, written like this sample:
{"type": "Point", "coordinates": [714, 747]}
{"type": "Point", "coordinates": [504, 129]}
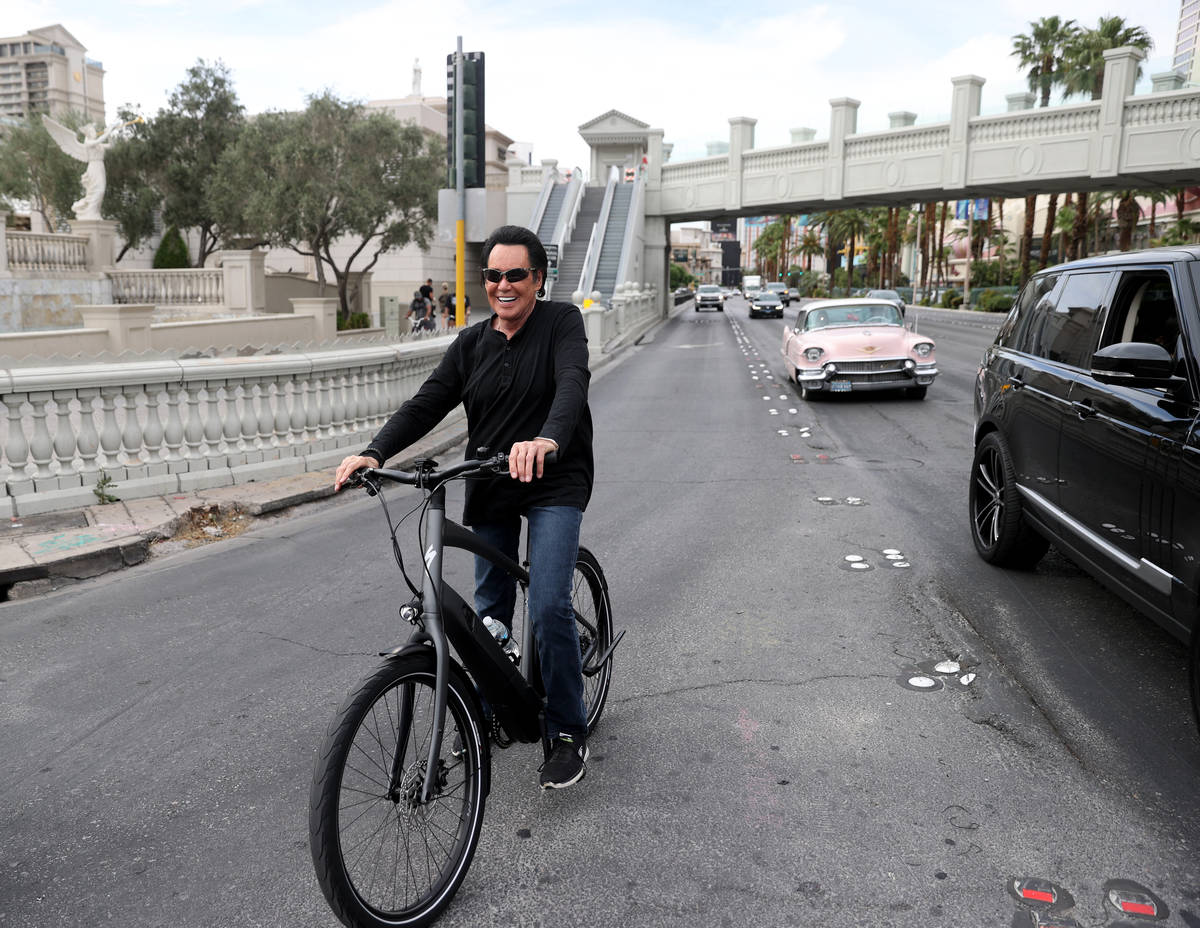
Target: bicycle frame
{"type": "Point", "coordinates": [447, 619]}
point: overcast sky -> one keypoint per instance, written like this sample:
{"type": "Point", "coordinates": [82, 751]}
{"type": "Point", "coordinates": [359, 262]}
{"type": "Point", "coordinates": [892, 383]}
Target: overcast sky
{"type": "Point", "coordinates": [685, 66]}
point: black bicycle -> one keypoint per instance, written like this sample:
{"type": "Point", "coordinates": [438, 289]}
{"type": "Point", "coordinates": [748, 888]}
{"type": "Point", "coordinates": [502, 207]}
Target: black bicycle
{"type": "Point", "coordinates": [401, 779]}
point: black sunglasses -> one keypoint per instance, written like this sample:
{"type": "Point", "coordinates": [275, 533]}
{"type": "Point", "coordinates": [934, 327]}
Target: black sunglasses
{"type": "Point", "coordinates": [512, 275]}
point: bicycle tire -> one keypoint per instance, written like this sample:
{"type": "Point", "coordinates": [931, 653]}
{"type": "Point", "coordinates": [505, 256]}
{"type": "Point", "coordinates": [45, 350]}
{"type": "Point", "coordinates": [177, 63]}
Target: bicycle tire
{"type": "Point", "coordinates": [364, 836]}
{"type": "Point", "coordinates": [593, 620]}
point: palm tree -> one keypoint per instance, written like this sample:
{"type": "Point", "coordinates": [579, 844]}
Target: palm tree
{"type": "Point", "coordinates": [1026, 248]}
{"type": "Point", "coordinates": [1084, 58]}
{"type": "Point", "coordinates": [1041, 53]}
{"type": "Point", "coordinates": [851, 225]}
{"type": "Point", "coordinates": [1048, 230]}
{"type": "Point", "coordinates": [1157, 198]}
{"type": "Point", "coordinates": [1128, 213]}
{"type": "Point", "coordinates": [809, 246]}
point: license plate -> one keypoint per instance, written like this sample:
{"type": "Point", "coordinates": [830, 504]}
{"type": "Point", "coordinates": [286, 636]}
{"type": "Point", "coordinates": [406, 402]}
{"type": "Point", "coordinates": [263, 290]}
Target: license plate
{"type": "Point", "coordinates": [839, 386]}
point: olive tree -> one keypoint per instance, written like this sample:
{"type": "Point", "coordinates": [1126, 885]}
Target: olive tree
{"type": "Point", "coordinates": [334, 182]}
{"type": "Point", "coordinates": [35, 170]}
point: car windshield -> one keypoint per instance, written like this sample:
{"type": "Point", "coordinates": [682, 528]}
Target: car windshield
{"type": "Point", "coordinates": [709, 288]}
{"type": "Point", "coordinates": [870, 313]}
{"type": "Point", "coordinates": [884, 294]}
{"type": "Point", "coordinates": [777, 288]}
{"type": "Point", "coordinates": [767, 297]}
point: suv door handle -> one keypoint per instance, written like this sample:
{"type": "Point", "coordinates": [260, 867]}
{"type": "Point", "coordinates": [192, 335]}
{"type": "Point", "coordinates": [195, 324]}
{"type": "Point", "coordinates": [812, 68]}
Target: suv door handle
{"type": "Point", "coordinates": [1084, 410]}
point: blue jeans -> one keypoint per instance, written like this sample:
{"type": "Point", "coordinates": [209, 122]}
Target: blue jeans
{"type": "Point", "coordinates": [553, 546]}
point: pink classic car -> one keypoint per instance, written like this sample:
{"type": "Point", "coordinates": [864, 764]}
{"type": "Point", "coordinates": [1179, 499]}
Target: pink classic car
{"type": "Point", "coordinates": [843, 346]}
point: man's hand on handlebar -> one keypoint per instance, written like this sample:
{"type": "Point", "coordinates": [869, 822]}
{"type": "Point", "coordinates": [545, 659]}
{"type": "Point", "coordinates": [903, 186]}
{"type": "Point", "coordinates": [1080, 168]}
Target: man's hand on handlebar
{"type": "Point", "coordinates": [526, 459]}
{"type": "Point", "coordinates": [351, 465]}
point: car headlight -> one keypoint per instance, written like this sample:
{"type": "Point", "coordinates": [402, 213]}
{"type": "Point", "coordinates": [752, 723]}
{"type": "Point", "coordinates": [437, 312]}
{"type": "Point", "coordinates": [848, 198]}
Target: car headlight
{"type": "Point", "coordinates": [813, 354]}
{"type": "Point", "coordinates": [923, 349]}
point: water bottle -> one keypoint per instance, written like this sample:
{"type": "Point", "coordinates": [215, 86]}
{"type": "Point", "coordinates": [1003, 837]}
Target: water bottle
{"type": "Point", "coordinates": [499, 631]}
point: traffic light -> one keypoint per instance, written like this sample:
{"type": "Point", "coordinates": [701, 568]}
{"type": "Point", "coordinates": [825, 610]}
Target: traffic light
{"type": "Point", "coordinates": [474, 134]}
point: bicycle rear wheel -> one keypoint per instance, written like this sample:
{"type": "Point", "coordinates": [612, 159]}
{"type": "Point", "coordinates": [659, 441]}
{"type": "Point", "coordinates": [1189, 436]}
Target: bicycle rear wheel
{"type": "Point", "coordinates": [593, 620]}
{"type": "Point", "coordinates": [382, 856]}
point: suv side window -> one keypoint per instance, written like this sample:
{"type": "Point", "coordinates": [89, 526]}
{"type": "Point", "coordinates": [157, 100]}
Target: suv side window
{"type": "Point", "coordinates": [1144, 310]}
{"type": "Point", "coordinates": [1027, 313]}
{"type": "Point", "coordinates": [1068, 333]}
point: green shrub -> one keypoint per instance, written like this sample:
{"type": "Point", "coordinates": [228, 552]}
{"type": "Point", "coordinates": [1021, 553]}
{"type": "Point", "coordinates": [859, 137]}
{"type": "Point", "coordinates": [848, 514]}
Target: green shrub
{"type": "Point", "coordinates": [993, 301]}
{"type": "Point", "coordinates": [951, 299]}
{"type": "Point", "coordinates": [356, 321]}
{"type": "Point", "coordinates": [172, 251]}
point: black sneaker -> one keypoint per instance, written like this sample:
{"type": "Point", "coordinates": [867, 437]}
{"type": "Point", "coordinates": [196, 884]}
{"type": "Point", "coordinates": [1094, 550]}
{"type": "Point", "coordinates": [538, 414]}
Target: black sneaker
{"type": "Point", "coordinates": [565, 764]}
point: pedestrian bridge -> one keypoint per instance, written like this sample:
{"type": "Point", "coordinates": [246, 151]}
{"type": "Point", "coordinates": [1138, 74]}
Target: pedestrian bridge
{"type": "Point", "coordinates": [1120, 141]}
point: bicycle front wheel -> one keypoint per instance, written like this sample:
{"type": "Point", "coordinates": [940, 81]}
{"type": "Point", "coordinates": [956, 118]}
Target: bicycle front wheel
{"type": "Point", "coordinates": [383, 855]}
{"type": "Point", "coordinates": [593, 620]}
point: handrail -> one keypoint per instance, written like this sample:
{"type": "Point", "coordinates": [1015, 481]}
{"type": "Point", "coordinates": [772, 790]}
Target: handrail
{"type": "Point", "coordinates": [543, 200]}
{"type": "Point", "coordinates": [635, 220]}
{"type": "Point", "coordinates": [587, 277]}
{"type": "Point", "coordinates": [567, 216]}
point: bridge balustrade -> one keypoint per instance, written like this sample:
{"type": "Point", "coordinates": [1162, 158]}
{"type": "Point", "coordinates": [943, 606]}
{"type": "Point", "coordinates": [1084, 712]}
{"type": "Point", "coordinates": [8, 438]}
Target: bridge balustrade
{"type": "Point", "coordinates": [158, 427]}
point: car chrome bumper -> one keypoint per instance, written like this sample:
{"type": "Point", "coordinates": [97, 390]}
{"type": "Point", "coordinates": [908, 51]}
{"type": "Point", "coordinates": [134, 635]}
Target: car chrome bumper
{"type": "Point", "coordinates": [892, 379]}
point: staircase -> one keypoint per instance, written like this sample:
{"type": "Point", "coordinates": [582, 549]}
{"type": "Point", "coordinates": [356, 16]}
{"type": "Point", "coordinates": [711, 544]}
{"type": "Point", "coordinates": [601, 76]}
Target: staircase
{"type": "Point", "coordinates": [545, 231]}
{"type": "Point", "coordinates": [570, 263]}
{"type": "Point", "coordinates": [614, 237]}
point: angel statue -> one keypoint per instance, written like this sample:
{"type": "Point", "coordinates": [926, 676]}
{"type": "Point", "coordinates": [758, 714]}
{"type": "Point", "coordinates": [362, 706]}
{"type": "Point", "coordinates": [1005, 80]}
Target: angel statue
{"type": "Point", "coordinates": [91, 151]}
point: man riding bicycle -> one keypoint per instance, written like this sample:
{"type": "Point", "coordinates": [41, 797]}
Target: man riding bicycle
{"type": "Point", "coordinates": [522, 376]}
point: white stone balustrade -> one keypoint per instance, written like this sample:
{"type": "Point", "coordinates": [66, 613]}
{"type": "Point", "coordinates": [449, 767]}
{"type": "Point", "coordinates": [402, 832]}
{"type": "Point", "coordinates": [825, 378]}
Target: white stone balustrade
{"type": "Point", "coordinates": [182, 287]}
{"type": "Point", "coordinates": [633, 312]}
{"type": "Point", "coordinates": [35, 251]}
{"type": "Point", "coordinates": [1118, 140]}
{"type": "Point", "coordinates": [160, 427]}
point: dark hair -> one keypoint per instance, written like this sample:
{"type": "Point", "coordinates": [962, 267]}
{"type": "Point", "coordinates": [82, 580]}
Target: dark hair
{"type": "Point", "coordinates": [519, 235]}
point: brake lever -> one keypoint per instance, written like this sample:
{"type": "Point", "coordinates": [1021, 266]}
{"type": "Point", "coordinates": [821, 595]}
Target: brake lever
{"type": "Point", "coordinates": [362, 478]}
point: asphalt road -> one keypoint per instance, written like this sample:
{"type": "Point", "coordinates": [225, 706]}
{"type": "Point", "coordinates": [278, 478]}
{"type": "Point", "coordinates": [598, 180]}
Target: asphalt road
{"type": "Point", "coordinates": [762, 760]}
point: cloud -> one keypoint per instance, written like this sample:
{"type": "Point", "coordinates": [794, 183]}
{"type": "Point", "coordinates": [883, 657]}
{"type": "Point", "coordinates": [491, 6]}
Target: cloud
{"type": "Point", "coordinates": [685, 66]}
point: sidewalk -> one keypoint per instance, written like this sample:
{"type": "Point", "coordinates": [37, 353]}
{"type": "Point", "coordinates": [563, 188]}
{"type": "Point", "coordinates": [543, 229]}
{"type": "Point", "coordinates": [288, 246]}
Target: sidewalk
{"type": "Point", "coordinates": [42, 553]}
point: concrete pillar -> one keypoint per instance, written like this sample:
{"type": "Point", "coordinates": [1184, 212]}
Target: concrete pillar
{"type": "Point", "coordinates": [366, 302]}
{"type": "Point", "coordinates": [843, 121]}
{"type": "Point", "coordinates": [655, 158]}
{"type": "Point", "coordinates": [964, 106]}
{"type": "Point", "coordinates": [245, 285]}
{"type": "Point", "coordinates": [322, 310]}
{"type": "Point", "coordinates": [1120, 75]}
{"type": "Point", "coordinates": [656, 253]}
{"type": "Point", "coordinates": [102, 237]}
{"type": "Point", "coordinates": [128, 324]}
{"type": "Point", "coordinates": [741, 139]}
{"type": "Point", "coordinates": [900, 119]}
{"type": "Point", "coordinates": [549, 168]}
{"type": "Point", "coordinates": [4, 272]}
{"type": "Point", "coordinates": [1020, 101]}
{"type": "Point", "coordinates": [1166, 80]}
{"type": "Point", "coordinates": [803, 135]}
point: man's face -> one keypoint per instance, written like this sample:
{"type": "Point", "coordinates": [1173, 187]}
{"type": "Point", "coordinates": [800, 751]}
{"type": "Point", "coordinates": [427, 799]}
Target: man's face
{"type": "Point", "coordinates": [512, 302]}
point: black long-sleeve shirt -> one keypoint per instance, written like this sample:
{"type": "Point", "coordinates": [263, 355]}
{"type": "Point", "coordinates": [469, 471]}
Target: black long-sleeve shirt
{"type": "Point", "coordinates": [533, 385]}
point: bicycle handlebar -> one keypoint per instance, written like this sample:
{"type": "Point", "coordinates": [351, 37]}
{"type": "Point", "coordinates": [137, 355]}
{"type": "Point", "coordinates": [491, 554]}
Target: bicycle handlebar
{"type": "Point", "coordinates": [422, 478]}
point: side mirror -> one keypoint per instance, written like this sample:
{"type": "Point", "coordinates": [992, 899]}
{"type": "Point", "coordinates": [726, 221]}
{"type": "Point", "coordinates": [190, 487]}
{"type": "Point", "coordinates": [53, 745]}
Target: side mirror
{"type": "Point", "coordinates": [1133, 364]}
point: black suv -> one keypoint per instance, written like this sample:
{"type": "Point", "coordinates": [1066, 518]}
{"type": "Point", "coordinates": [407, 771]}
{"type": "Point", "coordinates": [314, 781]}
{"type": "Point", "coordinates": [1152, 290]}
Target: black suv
{"type": "Point", "coordinates": [1087, 432]}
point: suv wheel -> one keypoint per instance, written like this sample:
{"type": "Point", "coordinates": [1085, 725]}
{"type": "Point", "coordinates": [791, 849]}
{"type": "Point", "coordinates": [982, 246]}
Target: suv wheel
{"type": "Point", "coordinates": [998, 527]}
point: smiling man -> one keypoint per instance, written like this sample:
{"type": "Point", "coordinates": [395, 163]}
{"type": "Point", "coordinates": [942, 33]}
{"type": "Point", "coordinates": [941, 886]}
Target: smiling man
{"type": "Point", "coordinates": [522, 376]}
